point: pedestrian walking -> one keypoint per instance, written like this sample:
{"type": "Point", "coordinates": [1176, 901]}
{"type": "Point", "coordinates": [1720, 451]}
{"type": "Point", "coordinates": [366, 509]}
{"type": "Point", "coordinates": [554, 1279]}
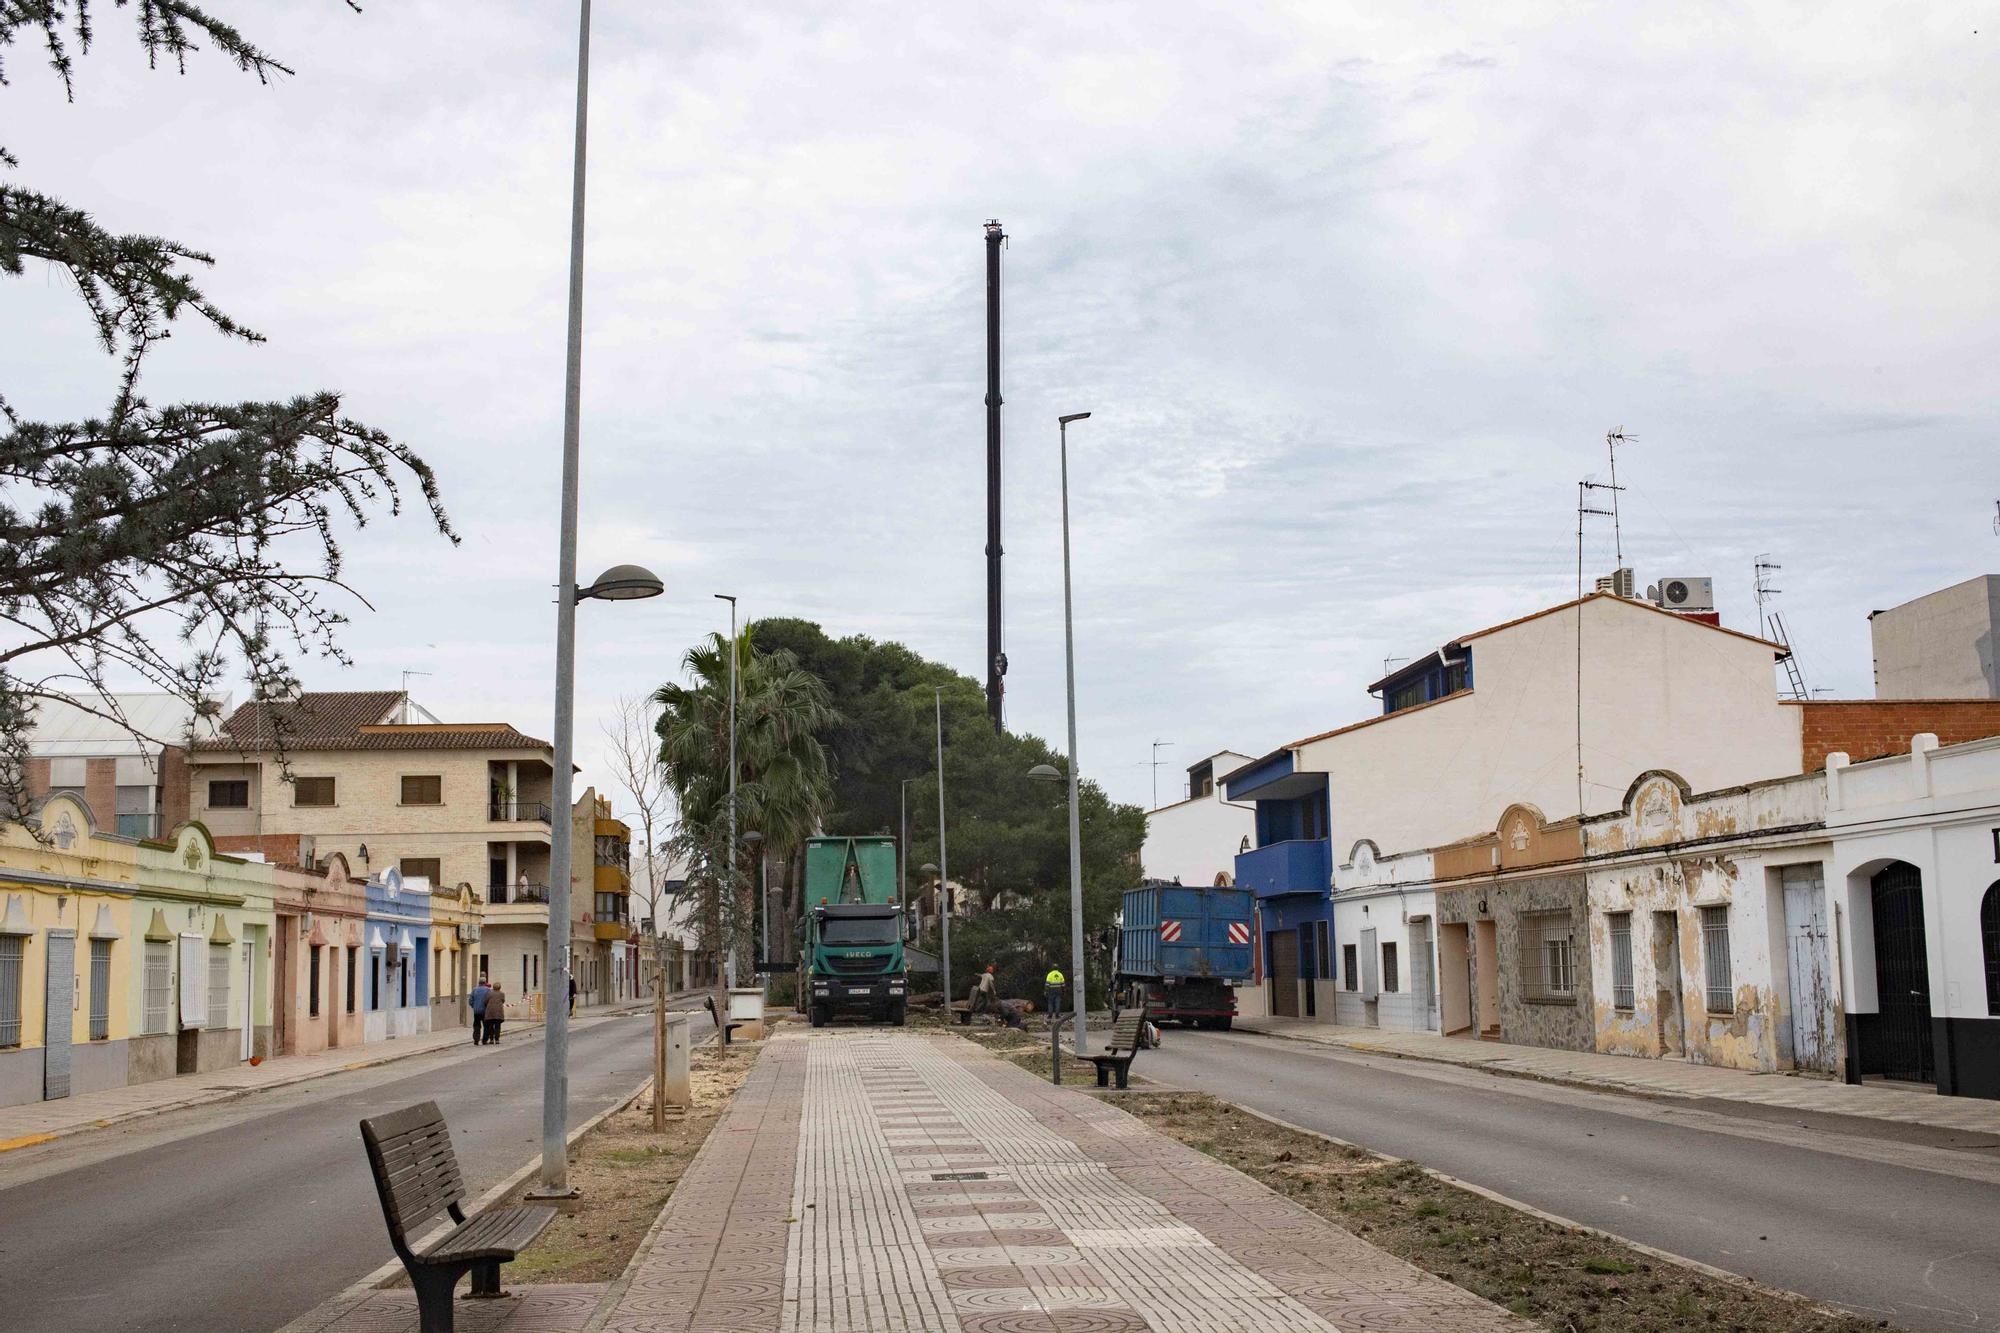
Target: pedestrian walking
{"type": "Point", "coordinates": [496, 1014]}
{"type": "Point", "coordinates": [572, 994]}
{"type": "Point", "coordinates": [479, 994]}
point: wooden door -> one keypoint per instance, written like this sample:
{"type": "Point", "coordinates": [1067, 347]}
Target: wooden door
{"type": "Point", "coordinates": [1285, 973]}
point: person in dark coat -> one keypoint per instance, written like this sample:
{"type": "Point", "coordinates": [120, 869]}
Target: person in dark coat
{"type": "Point", "coordinates": [496, 1014]}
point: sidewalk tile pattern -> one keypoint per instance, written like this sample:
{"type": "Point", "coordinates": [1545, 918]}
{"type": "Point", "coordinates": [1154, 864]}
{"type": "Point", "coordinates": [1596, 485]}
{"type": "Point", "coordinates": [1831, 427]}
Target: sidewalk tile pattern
{"type": "Point", "coordinates": [866, 1181]}
{"type": "Point", "coordinates": [1667, 1078]}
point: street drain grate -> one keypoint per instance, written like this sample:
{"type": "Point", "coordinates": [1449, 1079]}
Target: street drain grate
{"type": "Point", "coordinates": [959, 1175]}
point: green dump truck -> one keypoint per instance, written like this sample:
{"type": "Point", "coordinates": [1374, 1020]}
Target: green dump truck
{"type": "Point", "coordinates": [853, 945]}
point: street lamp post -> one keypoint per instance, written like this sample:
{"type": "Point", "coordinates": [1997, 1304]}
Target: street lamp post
{"type": "Point", "coordinates": [730, 976]}
{"type": "Point", "coordinates": [903, 854]}
{"type": "Point", "coordinates": [1075, 819]}
{"type": "Point", "coordinates": [944, 862]}
{"type": "Point", "coordinates": [622, 583]}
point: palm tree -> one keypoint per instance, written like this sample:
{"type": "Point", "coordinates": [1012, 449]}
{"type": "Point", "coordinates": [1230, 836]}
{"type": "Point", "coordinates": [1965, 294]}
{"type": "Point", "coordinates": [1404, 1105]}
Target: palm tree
{"type": "Point", "coordinates": [783, 784]}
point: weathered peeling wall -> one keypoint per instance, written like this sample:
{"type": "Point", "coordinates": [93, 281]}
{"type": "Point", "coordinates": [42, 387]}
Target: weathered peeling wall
{"type": "Point", "coordinates": [1561, 1023]}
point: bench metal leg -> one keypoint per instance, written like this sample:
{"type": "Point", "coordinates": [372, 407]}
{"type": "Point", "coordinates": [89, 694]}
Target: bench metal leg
{"type": "Point", "coordinates": [433, 1287]}
{"type": "Point", "coordinates": [1124, 1074]}
{"type": "Point", "coordinates": [486, 1282]}
{"type": "Point", "coordinates": [1103, 1076]}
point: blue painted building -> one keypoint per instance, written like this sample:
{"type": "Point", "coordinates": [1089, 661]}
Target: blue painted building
{"type": "Point", "coordinates": [396, 952]}
{"type": "Point", "coordinates": [1291, 871]}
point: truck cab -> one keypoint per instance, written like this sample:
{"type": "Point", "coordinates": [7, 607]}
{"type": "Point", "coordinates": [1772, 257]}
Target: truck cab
{"type": "Point", "coordinates": [854, 931]}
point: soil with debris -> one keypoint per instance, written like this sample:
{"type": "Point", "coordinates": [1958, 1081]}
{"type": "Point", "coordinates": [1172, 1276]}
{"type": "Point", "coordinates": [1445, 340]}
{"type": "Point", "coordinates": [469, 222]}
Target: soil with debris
{"type": "Point", "coordinates": [1561, 1278]}
{"type": "Point", "coordinates": [627, 1173]}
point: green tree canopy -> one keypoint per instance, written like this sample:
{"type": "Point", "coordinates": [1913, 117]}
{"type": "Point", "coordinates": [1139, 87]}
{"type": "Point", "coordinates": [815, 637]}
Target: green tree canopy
{"type": "Point", "coordinates": [1008, 836]}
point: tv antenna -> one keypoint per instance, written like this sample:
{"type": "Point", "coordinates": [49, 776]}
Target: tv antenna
{"type": "Point", "coordinates": [1612, 439]}
{"type": "Point", "coordinates": [1771, 624]}
{"type": "Point", "coordinates": [1157, 746]}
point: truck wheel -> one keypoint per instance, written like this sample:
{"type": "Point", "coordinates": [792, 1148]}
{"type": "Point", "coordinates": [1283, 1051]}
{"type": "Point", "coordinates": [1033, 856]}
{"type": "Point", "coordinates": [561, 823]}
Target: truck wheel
{"type": "Point", "coordinates": [898, 1014]}
{"type": "Point", "coordinates": [1222, 1024]}
{"type": "Point", "coordinates": [819, 1015]}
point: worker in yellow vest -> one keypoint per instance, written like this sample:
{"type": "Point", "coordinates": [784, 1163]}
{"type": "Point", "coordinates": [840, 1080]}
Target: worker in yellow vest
{"type": "Point", "coordinates": [1053, 985]}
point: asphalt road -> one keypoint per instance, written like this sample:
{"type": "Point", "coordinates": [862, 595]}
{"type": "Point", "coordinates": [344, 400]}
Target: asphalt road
{"type": "Point", "coordinates": [245, 1215]}
{"type": "Point", "coordinates": [1898, 1225]}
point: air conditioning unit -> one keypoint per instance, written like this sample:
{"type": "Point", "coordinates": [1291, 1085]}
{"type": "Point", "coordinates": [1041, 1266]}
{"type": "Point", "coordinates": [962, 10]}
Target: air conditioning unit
{"type": "Point", "coordinates": [1691, 595]}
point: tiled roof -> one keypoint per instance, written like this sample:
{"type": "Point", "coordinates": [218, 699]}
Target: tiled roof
{"type": "Point", "coordinates": [352, 720]}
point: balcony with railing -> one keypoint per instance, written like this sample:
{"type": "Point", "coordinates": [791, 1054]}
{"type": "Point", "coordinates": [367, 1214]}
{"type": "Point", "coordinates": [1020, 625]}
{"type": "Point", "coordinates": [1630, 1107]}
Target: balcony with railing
{"type": "Point", "coordinates": [1299, 865]}
{"type": "Point", "coordinates": [500, 895]}
{"type": "Point", "coordinates": [507, 810]}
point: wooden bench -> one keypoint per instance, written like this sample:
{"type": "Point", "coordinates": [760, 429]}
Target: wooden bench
{"type": "Point", "coordinates": [1127, 1031]}
{"type": "Point", "coordinates": [417, 1178]}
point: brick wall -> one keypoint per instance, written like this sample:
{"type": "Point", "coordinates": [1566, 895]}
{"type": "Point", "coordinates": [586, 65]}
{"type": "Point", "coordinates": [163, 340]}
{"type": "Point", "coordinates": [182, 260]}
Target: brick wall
{"type": "Point", "coordinates": [278, 848]}
{"type": "Point", "coordinates": [100, 789]}
{"type": "Point", "coordinates": [38, 779]}
{"type": "Point", "coordinates": [1872, 728]}
{"type": "Point", "coordinates": [173, 788]}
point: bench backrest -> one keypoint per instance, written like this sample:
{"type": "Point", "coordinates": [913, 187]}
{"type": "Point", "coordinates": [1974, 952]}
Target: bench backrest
{"type": "Point", "coordinates": [1125, 1032]}
{"type": "Point", "coordinates": [416, 1172]}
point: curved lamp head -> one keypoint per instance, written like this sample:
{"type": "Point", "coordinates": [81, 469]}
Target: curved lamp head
{"type": "Point", "coordinates": [624, 583]}
{"type": "Point", "coordinates": [1074, 416]}
{"type": "Point", "coordinates": [753, 837]}
{"type": "Point", "coordinates": [929, 868]}
{"type": "Point", "coordinates": [1045, 773]}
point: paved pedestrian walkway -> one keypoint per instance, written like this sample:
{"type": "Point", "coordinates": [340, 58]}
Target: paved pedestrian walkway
{"type": "Point", "coordinates": [38, 1122]}
{"type": "Point", "coordinates": [887, 1181]}
{"type": "Point", "coordinates": [550, 1309]}
{"type": "Point", "coordinates": [1658, 1078]}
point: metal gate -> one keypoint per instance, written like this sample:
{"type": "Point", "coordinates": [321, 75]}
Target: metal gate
{"type": "Point", "coordinates": [1808, 953]}
{"type": "Point", "coordinates": [1903, 975]}
{"type": "Point", "coordinates": [58, 1013]}
{"type": "Point", "coordinates": [1285, 973]}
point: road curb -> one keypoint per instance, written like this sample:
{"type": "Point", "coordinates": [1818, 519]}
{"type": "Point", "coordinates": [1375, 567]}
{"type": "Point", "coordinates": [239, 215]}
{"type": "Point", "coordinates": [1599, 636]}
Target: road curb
{"type": "Point", "coordinates": [363, 1287]}
{"type": "Point", "coordinates": [1738, 1280]}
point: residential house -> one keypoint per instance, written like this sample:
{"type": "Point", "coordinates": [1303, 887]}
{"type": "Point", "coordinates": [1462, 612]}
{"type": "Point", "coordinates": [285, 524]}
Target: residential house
{"type": "Point", "coordinates": [1914, 879]}
{"type": "Point", "coordinates": [69, 1003]}
{"type": "Point", "coordinates": [1195, 840]}
{"type": "Point", "coordinates": [1290, 871]}
{"type": "Point", "coordinates": [316, 961]}
{"type": "Point", "coordinates": [1708, 934]}
{"type": "Point", "coordinates": [205, 922]}
{"type": "Point", "coordinates": [396, 957]}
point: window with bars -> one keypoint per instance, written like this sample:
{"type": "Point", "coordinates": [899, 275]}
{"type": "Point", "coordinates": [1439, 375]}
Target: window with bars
{"type": "Point", "coordinates": [218, 985]}
{"type": "Point", "coordinates": [12, 950]}
{"type": "Point", "coordinates": [312, 985]}
{"type": "Point", "coordinates": [229, 794]}
{"type": "Point", "coordinates": [1389, 978]}
{"type": "Point", "coordinates": [353, 972]}
{"type": "Point", "coordinates": [1548, 956]}
{"type": "Point", "coordinates": [159, 994]}
{"type": "Point", "coordinates": [1324, 930]}
{"type": "Point", "coordinates": [100, 989]}
{"type": "Point", "coordinates": [1622, 996]}
{"type": "Point", "coordinates": [1350, 968]}
{"type": "Point", "coordinates": [1721, 991]}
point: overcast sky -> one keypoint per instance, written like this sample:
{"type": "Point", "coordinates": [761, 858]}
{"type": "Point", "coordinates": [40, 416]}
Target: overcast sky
{"type": "Point", "coordinates": [1354, 291]}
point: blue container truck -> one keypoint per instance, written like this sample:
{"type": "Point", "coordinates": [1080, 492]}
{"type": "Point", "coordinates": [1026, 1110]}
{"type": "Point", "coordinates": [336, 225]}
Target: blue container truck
{"type": "Point", "coordinates": [1183, 950]}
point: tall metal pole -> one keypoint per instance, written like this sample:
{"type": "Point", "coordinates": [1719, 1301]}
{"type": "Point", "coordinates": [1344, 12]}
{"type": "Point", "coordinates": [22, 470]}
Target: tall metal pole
{"type": "Point", "coordinates": [555, 1045]}
{"type": "Point", "coordinates": [996, 657]}
{"type": "Point", "coordinates": [903, 849]}
{"type": "Point", "coordinates": [944, 864]}
{"type": "Point", "coordinates": [729, 924]}
{"type": "Point", "coordinates": [1075, 820]}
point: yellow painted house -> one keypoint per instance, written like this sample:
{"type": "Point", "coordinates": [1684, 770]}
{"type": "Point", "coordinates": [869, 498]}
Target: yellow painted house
{"type": "Point", "coordinates": [68, 944]}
